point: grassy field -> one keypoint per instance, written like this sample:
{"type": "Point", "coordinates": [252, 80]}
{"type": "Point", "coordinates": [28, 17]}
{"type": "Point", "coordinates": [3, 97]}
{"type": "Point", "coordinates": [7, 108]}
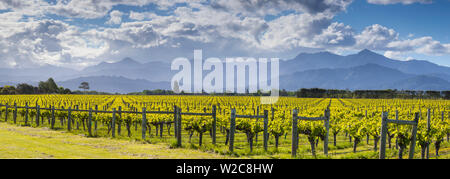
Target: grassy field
{"type": "Point", "coordinates": [28, 142]}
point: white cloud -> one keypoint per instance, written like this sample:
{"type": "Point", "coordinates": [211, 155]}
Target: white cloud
{"type": "Point", "coordinates": [115, 17]}
{"type": "Point", "coordinates": [336, 35]}
{"type": "Point", "coordinates": [394, 55]}
{"type": "Point", "coordinates": [376, 37]}
{"type": "Point", "coordinates": [422, 45]}
{"type": "Point", "coordinates": [142, 15]}
{"type": "Point", "coordinates": [41, 42]}
{"type": "Point", "coordinates": [29, 7]}
{"type": "Point", "coordinates": [9, 24]}
{"type": "Point", "coordinates": [135, 34]}
{"type": "Point", "coordinates": [92, 9]}
{"type": "Point", "coordinates": [224, 28]}
{"type": "Point", "coordinates": [264, 7]}
{"type": "Point", "coordinates": [293, 30]}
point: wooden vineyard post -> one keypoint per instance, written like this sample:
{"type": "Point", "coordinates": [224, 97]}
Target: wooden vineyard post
{"type": "Point", "coordinates": [95, 122]}
{"type": "Point", "coordinates": [161, 126]}
{"type": "Point", "coordinates": [37, 115]}
{"type": "Point", "coordinates": [144, 123]}
{"type": "Point", "coordinates": [6, 113]}
{"type": "Point", "coordinates": [89, 124]}
{"type": "Point", "coordinates": [78, 124]}
{"type": "Point", "coordinates": [15, 113]}
{"type": "Point", "coordinates": [383, 135]}
{"type": "Point", "coordinates": [327, 129]}
{"type": "Point", "coordinates": [272, 117]}
{"type": "Point", "coordinates": [294, 133]}
{"type": "Point", "coordinates": [113, 124]}
{"type": "Point", "coordinates": [26, 114]}
{"type": "Point", "coordinates": [428, 131]}
{"type": "Point", "coordinates": [232, 128]}
{"type": "Point", "coordinates": [53, 118]}
{"type": "Point", "coordinates": [62, 119]}
{"type": "Point", "coordinates": [256, 134]}
{"type": "Point", "coordinates": [49, 117]}
{"type": "Point", "coordinates": [119, 122]}
{"type": "Point", "coordinates": [69, 127]}
{"type": "Point", "coordinates": [179, 127]}
{"type": "Point", "coordinates": [413, 136]}
{"type": "Point", "coordinates": [175, 120]}
{"type": "Point", "coordinates": [214, 124]}
{"type": "Point", "coordinates": [367, 135]}
{"type": "Point", "coordinates": [266, 134]}
{"type": "Point", "coordinates": [396, 139]}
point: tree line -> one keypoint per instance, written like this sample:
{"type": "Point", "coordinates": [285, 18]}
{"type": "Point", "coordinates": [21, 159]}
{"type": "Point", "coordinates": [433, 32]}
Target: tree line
{"type": "Point", "coordinates": [322, 93]}
{"type": "Point", "coordinates": [375, 94]}
{"type": "Point", "coordinates": [44, 87]}
{"type": "Point", "coordinates": [50, 87]}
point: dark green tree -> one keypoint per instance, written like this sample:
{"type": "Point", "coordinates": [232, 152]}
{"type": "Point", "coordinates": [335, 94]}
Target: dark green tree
{"type": "Point", "coordinates": [24, 88]}
{"type": "Point", "coordinates": [48, 86]}
{"type": "Point", "coordinates": [84, 85]}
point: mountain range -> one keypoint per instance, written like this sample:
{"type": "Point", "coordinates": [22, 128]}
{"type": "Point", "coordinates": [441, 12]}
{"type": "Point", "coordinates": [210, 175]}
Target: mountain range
{"type": "Point", "coordinates": [369, 76]}
{"type": "Point", "coordinates": [308, 61]}
{"type": "Point", "coordinates": [364, 70]}
{"type": "Point", "coordinates": [114, 84]}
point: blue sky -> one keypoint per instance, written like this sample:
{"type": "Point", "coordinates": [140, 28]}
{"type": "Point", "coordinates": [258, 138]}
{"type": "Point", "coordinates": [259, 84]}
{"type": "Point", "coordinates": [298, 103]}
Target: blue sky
{"type": "Point", "coordinates": [418, 19]}
{"type": "Point", "coordinates": [80, 33]}
{"type": "Point", "coordinates": [414, 19]}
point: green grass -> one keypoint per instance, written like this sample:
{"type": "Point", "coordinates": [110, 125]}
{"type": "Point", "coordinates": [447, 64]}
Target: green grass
{"type": "Point", "coordinates": [28, 142]}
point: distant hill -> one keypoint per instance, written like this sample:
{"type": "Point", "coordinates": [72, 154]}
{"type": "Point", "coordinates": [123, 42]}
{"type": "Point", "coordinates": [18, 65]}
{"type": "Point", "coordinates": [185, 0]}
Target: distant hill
{"type": "Point", "coordinates": [114, 84]}
{"type": "Point", "coordinates": [7, 83]}
{"type": "Point", "coordinates": [307, 61]}
{"type": "Point", "coordinates": [369, 76]}
{"type": "Point", "coordinates": [36, 74]}
{"type": "Point", "coordinates": [152, 71]}
{"type": "Point", "coordinates": [420, 82]}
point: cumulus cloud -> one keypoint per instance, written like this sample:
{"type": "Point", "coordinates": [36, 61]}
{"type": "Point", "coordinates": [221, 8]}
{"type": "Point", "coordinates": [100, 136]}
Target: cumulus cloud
{"type": "Point", "coordinates": [46, 42]}
{"type": "Point", "coordinates": [423, 45]}
{"type": "Point", "coordinates": [20, 5]}
{"type": "Point", "coordinates": [142, 15]}
{"type": "Point", "coordinates": [30, 8]}
{"type": "Point", "coordinates": [220, 27]}
{"type": "Point", "coordinates": [115, 17]}
{"type": "Point", "coordinates": [293, 30]}
{"type": "Point", "coordinates": [376, 37]}
{"type": "Point", "coordinates": [264, 7]}
{"type": "Point", "coordinates": [135, 34]}
{"type": "Point", "coordinates": [336, 35]}
{"type": "Point", "coordinates": [92, 9]}
{"type": "Point", "coordinates": [394, 55]}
